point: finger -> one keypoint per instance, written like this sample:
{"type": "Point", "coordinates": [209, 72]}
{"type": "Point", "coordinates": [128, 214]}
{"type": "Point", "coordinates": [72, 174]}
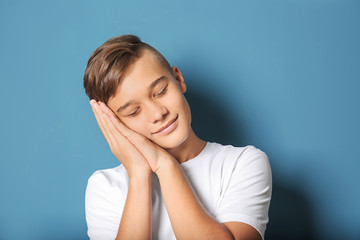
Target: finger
{"type": "Point", "coordinates": [115, 120]}
{"type": "Point", "coordinates": [119, 139]}
{"type": "Point", "coordinates": [100, 121]}
{"type": "Point", "coordinates": [111, 127]}
{"type": "Point", "coordinates": [94, 107]}
{"type": "Point", "coordinates": [106, 109]}
{"type": "Point", "coordinates": [127, 132]}
{"type": "Point", "coordinates": [116, 139]}
{"type": "Point", "coordinates": [136, 139]}
{"type": "Point", "coordinates": [97, 113]}
{"type": "Point", "coordinates": [121, 143]}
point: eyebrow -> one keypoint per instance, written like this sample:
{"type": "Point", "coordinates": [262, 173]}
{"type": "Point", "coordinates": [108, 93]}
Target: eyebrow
{"type": "Point", "coordinates": [152, 85]}
{"type": "Point", "coordinates": [125, 106]}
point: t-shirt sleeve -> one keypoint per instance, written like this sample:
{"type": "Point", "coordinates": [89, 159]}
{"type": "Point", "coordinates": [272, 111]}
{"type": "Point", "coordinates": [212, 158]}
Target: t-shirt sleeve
{"type": "Point", "coordinates": [247, 196]}
{"type": "Point", "coordinates": [102, 208]}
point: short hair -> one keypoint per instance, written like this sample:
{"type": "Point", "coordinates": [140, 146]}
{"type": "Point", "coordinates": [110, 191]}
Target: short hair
{"type": "Point", "coordinates": [108, 63]}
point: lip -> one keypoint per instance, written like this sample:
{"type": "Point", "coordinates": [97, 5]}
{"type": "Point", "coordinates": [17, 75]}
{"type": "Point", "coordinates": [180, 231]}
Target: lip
{"type": "Point", "coordinates": [169, 127]}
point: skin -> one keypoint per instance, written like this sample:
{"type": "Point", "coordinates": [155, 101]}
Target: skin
{"type": "Point", "coordinates": [156, 100]}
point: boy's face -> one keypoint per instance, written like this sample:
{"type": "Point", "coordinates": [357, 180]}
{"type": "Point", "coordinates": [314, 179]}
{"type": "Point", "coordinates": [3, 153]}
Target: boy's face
{"type": "Point", "coordinates": [150, 101]}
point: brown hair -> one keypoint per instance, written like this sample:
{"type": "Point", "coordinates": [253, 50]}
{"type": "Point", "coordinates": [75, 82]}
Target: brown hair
{"type": "Point", "coordinates": [109, 62]}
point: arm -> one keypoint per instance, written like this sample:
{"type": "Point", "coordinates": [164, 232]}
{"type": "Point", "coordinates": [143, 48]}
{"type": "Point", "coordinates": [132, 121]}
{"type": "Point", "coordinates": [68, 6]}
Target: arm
{"type": "Point", "coordinates": [137, 209]}
{"type": "Point", "coordinates": [190, 220]}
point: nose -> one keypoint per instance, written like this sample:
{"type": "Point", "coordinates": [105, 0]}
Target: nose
{"type": "Point", "coordinates": [156, 112]}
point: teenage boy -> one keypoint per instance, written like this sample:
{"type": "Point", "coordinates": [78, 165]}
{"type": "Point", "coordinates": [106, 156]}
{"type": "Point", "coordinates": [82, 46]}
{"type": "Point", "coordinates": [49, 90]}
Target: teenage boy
{"type": "Point", "coordinates": [171, 184]}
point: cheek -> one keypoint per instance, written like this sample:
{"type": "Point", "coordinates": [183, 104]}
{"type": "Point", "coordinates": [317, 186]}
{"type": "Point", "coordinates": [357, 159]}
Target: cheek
{"type": "Point", "coordinates": [137, 125]}
{"type": "Point", "coordinates": [176, 101]}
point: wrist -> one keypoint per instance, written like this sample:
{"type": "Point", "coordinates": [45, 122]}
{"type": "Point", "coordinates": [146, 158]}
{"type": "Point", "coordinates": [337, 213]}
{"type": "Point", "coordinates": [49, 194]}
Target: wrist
{"type": "Point", "coordinates": [140, 175]}
{"type": "Point", "coordinates": [166, 165]}
{"type": "Point", "coordinates": [140, 182]}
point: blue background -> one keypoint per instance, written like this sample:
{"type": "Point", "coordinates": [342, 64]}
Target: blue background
{"type": "Point", "coordinates": [280, 75]}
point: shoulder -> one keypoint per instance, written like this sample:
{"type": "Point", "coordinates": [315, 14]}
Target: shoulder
{"type": "Point", "coordinates": [237, 156]}
{"type": "Point", "coordinates": [246, 187]}
{"type": "Point", "coordinates": [251, 164]}
{"type": "Point", "coordinates": [106, 189]}
{"type": "Point", "coordinates": [228, 164]}
{"type": "Point", "coordinates": [106, 179]}
{"type": "Point", "coordinates": [104, 201]}
{"type": "Point", "coordinates": [108, 175]}
{"type": "Point", "coordinates": [230, 149]}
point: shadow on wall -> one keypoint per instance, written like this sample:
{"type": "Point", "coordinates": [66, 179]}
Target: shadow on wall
{"type": "Point", "coordinates": [209, 121]}
{"type": "Point", "coordinates": [290, 212]}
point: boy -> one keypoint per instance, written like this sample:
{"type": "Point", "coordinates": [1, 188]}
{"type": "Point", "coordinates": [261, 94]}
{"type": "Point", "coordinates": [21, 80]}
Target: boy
{"type": "Point", "coordinates": [171, 184]}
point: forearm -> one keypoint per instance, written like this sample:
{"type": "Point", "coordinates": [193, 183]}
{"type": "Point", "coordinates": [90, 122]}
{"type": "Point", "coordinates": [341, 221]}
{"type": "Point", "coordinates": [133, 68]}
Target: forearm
{"type": "Point", "coordinates": [136, 218]}
{"type": "Point", "coordinates": [188, 218]}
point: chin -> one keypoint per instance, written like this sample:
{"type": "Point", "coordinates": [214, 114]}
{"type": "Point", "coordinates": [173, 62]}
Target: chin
{"type": "Point", "coordinates": [172, 141]}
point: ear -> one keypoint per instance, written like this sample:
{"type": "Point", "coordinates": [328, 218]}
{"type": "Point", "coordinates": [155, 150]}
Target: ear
{"type": "Point", "coordinates": [179, 79]}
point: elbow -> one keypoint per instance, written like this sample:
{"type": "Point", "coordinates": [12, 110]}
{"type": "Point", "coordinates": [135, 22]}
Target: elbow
{"type": "Point", "coordinates": [222, 234]}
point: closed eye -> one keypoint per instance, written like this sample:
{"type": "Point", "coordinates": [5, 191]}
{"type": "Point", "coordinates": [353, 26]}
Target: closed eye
{"type": "Point", "coordinates": [134, 113]}
{"type": "Point", "coordinates": [162, 92]}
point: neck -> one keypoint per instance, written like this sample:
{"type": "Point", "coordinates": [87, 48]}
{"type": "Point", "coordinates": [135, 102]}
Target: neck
{"type": "Point", "coordinates": [189, 149]}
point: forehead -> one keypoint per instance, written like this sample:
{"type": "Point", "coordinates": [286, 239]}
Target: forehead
{"type": "Point", "coordinates": [147, 65]}
{"type": "Point", "coordinates": [138, 77]}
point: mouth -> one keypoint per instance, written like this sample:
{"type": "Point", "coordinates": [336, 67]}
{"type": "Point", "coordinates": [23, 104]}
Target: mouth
{"type": "Point", "coordinates": [169, 127]}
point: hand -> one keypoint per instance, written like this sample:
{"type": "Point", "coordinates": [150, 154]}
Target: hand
{"type": "Point", "coordinates": [120, 146]}
{"type": "Point", "coordinates": [135, 151]}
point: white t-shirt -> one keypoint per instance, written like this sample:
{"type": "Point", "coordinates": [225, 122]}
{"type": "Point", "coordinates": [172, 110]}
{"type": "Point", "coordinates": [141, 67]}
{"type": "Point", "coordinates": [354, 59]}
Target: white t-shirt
{"type": "Point", "coordinates": [232, 183]}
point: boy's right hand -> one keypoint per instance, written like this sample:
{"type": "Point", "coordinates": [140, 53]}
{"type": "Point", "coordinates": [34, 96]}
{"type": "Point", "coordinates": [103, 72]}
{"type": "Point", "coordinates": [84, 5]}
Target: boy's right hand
{"type": "Point", "coordinates": [120, 146]}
